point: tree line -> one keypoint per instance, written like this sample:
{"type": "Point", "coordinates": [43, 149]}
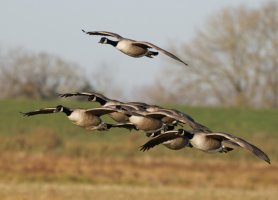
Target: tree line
{"type": "Point", "coordinates": [233, 62]}
{"type": "Point", "coordinates": [38, 75]}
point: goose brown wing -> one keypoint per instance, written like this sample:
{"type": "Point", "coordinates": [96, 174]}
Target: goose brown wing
{"type": "Point", "coordinates": [161, 114]}
{"type": "Point", "coordinates": [70, 94]}
{"type": "Point", "coordinates": [170, 135]}
{"type": "Point", "coordinates": [88, 94]}
{"type": "Point", "coordinates": [92, 96]}
{"type": "Point", "coordinates": [242, 143]}
{"type": "Point", "coordinates": [181, 117]}
{"type": "Point", "coordinates": [130, 110]}
{"type": "Point", "coordinates": [141, 104]}
{"type": "Point", "coordinates": [101, 111]}
{"type": "Point", "coordinates": [184, 119]}
{"type": "Point", "coordinates": [150, 45]}
{"type": "Point", "coordinates": [40, 111]}
{"type": "Point", "coordinates": [130, 106]}
{"type": "Point", "coordinates": [103, 33]}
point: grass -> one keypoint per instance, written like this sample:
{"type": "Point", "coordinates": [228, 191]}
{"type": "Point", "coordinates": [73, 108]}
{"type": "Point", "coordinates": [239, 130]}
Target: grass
{"type": "Point", "coordinates": [237, 120]}
{"type": "Point", "coordinates": [52, 191]}
{"type": "Point", "coordinates": [47, 157]}
{"type": "Point", "coordinates": [145, 170]}
{"type": "Point", "coordinates": [60, 135]}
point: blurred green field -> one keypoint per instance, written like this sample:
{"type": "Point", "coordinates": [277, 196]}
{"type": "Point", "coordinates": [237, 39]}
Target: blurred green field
{"type": "Point", "coordinates": [26, 133]}
{"type": "Point", "coordinates": [58, 160]}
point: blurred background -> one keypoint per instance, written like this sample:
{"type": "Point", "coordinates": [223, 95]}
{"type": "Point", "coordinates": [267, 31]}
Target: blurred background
{"type": "Point", "coordinates": [231, 85]}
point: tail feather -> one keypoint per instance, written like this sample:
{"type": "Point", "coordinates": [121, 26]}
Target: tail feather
{"type": "Point", "coordinates": [226, 149]}
{"type": "Point", "coordinates": [150, 54]}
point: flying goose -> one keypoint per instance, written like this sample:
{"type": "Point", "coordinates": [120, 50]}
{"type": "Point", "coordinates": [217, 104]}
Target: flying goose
{"type": "Point", "coordinates": [104, 102]}
{"type": "Point", "coordinates": [85, 118]}
{"type": "Point", "coordinates": [150, 125]}
{"type": "Point", "coordinates": [167, 139]}
{"type": "Point", "coordinates": [170, 116]}
{"type": "Point", "coordinates": [207, 142]}
{"type": "Point", "coordinates": [131, 47]}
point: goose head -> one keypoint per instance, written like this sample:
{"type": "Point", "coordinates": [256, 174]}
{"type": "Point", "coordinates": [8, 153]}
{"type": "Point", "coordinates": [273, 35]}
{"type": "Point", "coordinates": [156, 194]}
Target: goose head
{"type": "Point", "coordinates": [103, 40]}
{"type": "Point", "coordinates": [63, 109]}
{"type": "Point", "coordinates": [92, 98]}
{"type": "Point", "coordinates": [59, 108]}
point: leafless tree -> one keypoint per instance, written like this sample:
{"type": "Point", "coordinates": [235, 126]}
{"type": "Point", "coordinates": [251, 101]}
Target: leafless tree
{"type": "Point", "coordinates": [38, 75]}
{"type": "Point", "coordinates": [104, 80]}
{"type": "Point", "coordinates": [234, 60]}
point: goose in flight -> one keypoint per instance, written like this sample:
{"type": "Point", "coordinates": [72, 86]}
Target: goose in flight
{"type": "Point", "coordinates": [208, 142]}
{"type": "Point", "coordinates": [131, 47]}
{"type": "Point", "coordinates": [105, 102]}
{"type": "Point", "coordinates": [88, 119]}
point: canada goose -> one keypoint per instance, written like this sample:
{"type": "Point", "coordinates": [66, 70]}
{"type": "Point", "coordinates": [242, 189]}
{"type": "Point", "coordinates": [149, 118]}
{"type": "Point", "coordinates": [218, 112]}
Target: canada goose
{"type": "Point", "coordinates": [179, 117]}
{"type": "Point", "coordinates": [171, 117]}
{"type": "Point", "coordinates": [207, 142]}
{"type": "Point", "coordinates": [150, 125]}
{"type": "Point", "coordinates": [92, 96]}
{"type": "Point", "coordinates": [167, 139]}
{"type": "Point", "coordinates": [104, 102]}
{"type": "Point", "coordinates": [131, 47]}
{"type": "Point", "coordinates": [85, 118]}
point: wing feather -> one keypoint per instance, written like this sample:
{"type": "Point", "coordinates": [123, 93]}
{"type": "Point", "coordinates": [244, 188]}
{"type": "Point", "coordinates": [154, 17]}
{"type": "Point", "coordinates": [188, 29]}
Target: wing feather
{"type": "Point", "coordinates": [40, 111]}
{"type": "Point", "coordinates": [170, 135]}
{"type": "Point", "coordinates": [150, 45]}
{"type": "Point", "coordinates": [101, 111]}
{"type": "Point", "coordinates": [103, 33]}
{"type": "Point", "coordinates": [242, 143]}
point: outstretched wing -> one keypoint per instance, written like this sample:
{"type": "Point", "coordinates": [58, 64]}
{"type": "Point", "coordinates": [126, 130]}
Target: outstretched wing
{"type": "Point", "coordinates": [104, 33]}
{"type": "Point", "coordinates": [187, 119]}
{"type": "Point", "coordinates": [169, 135]}
{"type": "Point", "coordinates": [200, 127]}
{"type": "Point", "coordinates": [141, 104]}
{"type": "Point", "coordinates": [88, 94]}
{"type": "Point", "coordinates": [161, 115]}
{"type": "Point", "coordinates": [242, 143]}
{"type": "Point", "coordinates": [127, 106]}
{"type": "Point", "coordinates": [92, 96]}
{"type": "Point", "coordinates": [150, 45]}
{"type": "Point", "coordinates": [40, 111]}
{"type": "Point", "coordinates": [101, 111]}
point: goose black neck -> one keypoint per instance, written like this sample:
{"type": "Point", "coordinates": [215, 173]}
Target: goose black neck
{"type": "Point", "coordinates": [111, 42]}
{"type": "Point", "coordinates": [67, 111]}
{"type": "Point", "coordinates": [188, 134]}
{"type": "Point", "coordinates": [101, 101]}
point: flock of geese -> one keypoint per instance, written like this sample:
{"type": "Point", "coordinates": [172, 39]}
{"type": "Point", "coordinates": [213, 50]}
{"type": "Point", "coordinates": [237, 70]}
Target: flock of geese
{"type": "Point", "coordinates": [170, 127]}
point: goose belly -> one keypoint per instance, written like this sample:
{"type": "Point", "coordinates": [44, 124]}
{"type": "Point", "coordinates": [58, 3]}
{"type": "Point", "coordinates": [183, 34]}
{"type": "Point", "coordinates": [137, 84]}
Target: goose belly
{"type": "Point", "coordinates": [145, 124]}
{"type": "Point", "coordinates": [203, 143]}
{"type": "Point", "coordinates": [176, 144]}
{"type": "Point", "coordinates": [119, 117]}
{"type": "Point", "coordinates": [128, 48]}
{"type": "Point", "coordinates": [84, 120]}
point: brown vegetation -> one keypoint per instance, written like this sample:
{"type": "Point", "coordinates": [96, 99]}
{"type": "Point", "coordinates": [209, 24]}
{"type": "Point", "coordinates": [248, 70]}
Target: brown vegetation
{"type": "Point", "coordinates": [46, 176]}
{"type": "Point", "coordinates": [146, 170]}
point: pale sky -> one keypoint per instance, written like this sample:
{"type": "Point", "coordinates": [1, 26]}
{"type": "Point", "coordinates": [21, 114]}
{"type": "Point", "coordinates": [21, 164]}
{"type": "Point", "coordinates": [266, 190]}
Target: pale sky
{"type": "Point", "coordinates": [55, 27]}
